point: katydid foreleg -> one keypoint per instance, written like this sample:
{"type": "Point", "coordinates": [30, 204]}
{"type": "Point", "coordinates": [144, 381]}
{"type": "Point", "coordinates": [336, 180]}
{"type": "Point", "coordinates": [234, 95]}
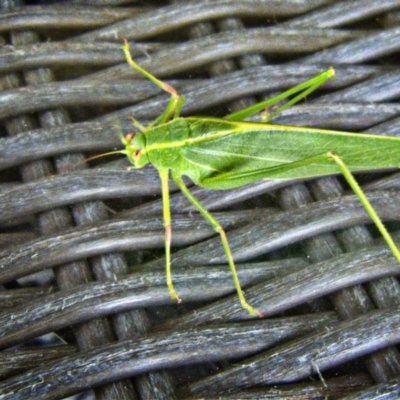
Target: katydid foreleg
{"type": "Point", "coordinates": [168, 232]}
{"type": "Point", "coordinates": [175, 102]}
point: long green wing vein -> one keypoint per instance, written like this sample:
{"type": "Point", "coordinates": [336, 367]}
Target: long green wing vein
{"type": "Point", "coordinates": [231, 179]}
{"type": "Point", "coordinates": [202, 166]}
{"type": "Point", "coordinates": [237, 155]}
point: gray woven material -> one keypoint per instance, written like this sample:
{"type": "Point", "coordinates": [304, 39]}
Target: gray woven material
{"type": "Point", "coordinates": [82, 245]}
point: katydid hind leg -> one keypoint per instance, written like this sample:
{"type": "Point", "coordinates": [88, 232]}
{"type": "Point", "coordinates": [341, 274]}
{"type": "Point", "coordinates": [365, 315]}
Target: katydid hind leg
{"type": "Point", "coordinates": [366, 203]}
{"type": "Point", "coordinates": [218, 228]}
{"type": "Point", "coordinates": [168, 232]}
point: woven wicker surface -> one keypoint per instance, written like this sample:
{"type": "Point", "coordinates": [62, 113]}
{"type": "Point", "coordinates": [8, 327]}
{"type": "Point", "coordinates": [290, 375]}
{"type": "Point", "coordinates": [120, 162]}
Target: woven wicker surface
{"type": "Point", "coordinates": [82, 247]}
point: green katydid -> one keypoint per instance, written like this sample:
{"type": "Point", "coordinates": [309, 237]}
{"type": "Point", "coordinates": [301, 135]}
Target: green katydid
{"type": "Point", "coordinates": [224, 153]}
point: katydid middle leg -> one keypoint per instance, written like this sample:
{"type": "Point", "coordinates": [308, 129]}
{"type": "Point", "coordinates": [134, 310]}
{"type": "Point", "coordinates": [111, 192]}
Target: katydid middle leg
{"type": "Point", "coordinates": [218, 228]}
{"type": "Point", "coordinates": [302, 90]}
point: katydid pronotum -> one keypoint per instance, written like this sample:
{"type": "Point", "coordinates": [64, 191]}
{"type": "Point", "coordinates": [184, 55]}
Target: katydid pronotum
{"type": "Point", "coordinates": [224, 153]}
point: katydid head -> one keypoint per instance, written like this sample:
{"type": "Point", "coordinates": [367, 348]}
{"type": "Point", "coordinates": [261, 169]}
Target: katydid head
{"type": "Point", "coordinates": [135, 149]}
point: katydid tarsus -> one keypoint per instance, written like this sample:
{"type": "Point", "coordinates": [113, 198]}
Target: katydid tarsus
{"type": "Point", "coordinates": [224, 153]}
